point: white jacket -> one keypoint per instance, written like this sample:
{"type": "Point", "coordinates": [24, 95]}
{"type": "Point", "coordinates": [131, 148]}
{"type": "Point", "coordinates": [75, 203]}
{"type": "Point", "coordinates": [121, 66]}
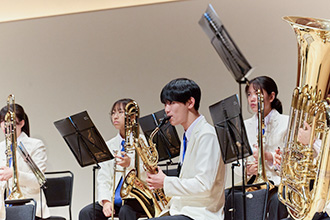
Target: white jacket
{"type": "Point", "coordinates": [105, 174]}
{"type": "Point", "coordinates": [28, 182]}
{"type": "Point", "coordinates": [2, 202]}
{"type": "Point", "coordinates": [199, 191]}
{"type": "Point", "coordinates": [274, 136]}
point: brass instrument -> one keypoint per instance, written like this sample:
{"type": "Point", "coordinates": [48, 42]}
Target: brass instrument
{"type": "Point", "coordinates": [33, 166]}
{"type": "Point", "coordinates": [261, 176]}
{"type": "Point", "coordinates": [11, 146]}
{"type": "Point", "coordinates": [131, 129]}
{"type": "Point", "coordinates": [153, 202]}
{"type": "Point", "coordinates": [305, 177]}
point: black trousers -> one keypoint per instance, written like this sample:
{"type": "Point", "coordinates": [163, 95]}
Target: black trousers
{"type": "Point", "coordinates": [173, 217]}
{"type": "Point", "coordinates": [131, 210]}
{"type": "Point", "coordinates": [276, 209]}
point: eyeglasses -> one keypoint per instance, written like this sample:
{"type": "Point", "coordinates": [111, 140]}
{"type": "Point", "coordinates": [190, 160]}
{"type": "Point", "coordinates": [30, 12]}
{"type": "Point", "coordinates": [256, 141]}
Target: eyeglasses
{"type": "Point", "coordinates": [116, 113]}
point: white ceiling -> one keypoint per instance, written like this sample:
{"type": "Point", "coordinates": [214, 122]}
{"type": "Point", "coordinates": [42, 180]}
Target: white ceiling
{"type": "Point", "coordinates": [22, 9]}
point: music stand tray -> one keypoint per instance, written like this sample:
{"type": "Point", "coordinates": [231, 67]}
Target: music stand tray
{"type": "Point", "coordinates": [230, 129]}
{"type": "Point", "coordinates": [83, 139]}
{"type": "Point", "coordinates": [167, 140]}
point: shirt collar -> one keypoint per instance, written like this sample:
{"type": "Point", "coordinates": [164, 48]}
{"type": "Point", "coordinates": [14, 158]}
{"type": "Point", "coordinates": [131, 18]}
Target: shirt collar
{"type": "Point", "coordinates": [191, 127]}
{"type": "Point", "coordinates": [266, 119]}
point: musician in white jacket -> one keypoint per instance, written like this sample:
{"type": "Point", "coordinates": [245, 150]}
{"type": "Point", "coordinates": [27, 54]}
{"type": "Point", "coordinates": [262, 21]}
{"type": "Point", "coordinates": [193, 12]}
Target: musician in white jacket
{"type": "Point", "coordinates": [198, 192]}
{"type": "Point", "coordinates": [28, 182]}
{"type": "Point", "coordinates": [103, 208]}
{"type": "Point", "coordinates": [274, 131]}
{"type": "Point", "coordinates": [2, 202]}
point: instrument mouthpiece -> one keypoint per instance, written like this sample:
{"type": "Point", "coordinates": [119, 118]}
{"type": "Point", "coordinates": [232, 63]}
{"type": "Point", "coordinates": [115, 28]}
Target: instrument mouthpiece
{"type": "Point", "coordinates": [164, 121]}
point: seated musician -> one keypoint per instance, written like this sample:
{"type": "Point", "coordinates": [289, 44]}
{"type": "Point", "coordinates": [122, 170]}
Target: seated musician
{"type": "Point", "coordinates": [103, 208]}
{"type": "Point", "coordinates": [275, 127]}
{"type": "Point", "coordinates": [304, 135]}
{"type": "Point", "coordinates": [28, 182]}
{"type": "Point", "coordinates": [198, 192]}
{"type": "Point", "coordinates": [2, 202]}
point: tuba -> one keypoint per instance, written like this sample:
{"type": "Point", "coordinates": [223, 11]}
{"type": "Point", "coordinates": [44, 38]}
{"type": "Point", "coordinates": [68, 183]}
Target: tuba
{"type": "Point", "coordinates": [305, 175]}
{"type": "Point", "coordinates": [11, 146]}
{"type": "Point", "coordinates": [153, 202]}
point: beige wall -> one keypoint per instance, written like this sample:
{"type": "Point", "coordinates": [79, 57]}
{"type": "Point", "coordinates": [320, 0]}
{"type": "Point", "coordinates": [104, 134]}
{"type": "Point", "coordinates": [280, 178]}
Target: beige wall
{"type": "Point", "coordinates": [62, 65]}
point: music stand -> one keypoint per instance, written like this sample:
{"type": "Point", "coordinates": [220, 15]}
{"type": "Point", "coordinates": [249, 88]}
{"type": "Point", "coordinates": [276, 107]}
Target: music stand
{"type": "Point", "coordinates": [84, 141]}
{"type": "Point", "coordinates": [167, 140]}
{"type": "Point", "coordinates": [230, 129]}
{"type": "Point", "coordinates": [225, 46]}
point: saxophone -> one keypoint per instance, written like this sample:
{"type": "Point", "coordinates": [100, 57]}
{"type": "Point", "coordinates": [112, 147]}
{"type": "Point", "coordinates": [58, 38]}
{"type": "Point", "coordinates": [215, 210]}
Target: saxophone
{"type": "Point", "coordinates": [11, 146]}
{"type": "Point", "coordinates": [305, 175]}
{"type": "Point", "coordinates": [152, 201]}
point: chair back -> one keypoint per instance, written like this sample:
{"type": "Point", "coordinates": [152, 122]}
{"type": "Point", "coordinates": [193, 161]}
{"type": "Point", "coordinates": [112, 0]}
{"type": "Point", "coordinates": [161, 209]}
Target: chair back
{"type": "Point", "coordinates": [24, 209]}
{"type": "Point", "coordinates": [256, 203]}
{"type": "Point", "coordinates": [59, 189]}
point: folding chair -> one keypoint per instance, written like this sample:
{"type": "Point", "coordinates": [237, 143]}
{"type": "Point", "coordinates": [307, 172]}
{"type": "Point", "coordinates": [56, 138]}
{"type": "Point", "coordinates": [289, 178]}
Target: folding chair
{"type": "Point", "coordinates": [58, 190]}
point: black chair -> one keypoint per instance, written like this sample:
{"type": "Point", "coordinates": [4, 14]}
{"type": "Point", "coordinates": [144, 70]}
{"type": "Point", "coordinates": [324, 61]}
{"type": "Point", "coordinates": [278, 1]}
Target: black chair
{"type": "Point", "coordinates": [58, 191]}
{"type": "Point", "coordinates": [22, 209]}
{"type": "Point", "coordinates": [256, 202]}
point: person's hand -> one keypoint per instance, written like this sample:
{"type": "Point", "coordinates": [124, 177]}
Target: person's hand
{"type": "Point", "coordinates": [278, 157]}
{"type": "Point", "coordinates": [255, 152]}
{"type": "Point", "coordinates": [6, 173]}
{"type": "Point", "coordinates": [107, 208]}
{"type": "Point", "coordinates": [252, 168]}
{"type": "Point", "coordinates": [304, 134]}
{"type": "Point", "coordinates": [123, 160]}
{"type": "Point", "coordinates": [156, 181]}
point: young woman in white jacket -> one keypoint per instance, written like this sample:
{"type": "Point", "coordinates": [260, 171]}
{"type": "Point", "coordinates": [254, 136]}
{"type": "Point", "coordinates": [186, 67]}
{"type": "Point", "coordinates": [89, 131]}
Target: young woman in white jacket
{"type": "Point", "coordinates": [275, 128]}
{"type": "Point", "coordinates": [28, 182]}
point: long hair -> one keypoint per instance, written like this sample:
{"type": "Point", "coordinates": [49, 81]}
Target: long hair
{"type": "Point", "coordinates": [267, 84]}
{"type": "Point", "coordinates": [20, 115]}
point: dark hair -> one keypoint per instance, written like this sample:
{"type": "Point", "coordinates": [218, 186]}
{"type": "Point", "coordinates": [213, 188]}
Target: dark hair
{"type": "Point", "coordinates": [20, 115]}
{"type": "Point", "coordinates": [180, 90]}
{"type": "Point", "coordinates": [122, 102]}
{"type": "Point", "coordinates": [267, 84]}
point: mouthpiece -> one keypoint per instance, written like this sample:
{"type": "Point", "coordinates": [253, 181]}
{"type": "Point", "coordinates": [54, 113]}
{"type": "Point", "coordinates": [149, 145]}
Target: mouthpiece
{"type": "Point", "coordinates": [164, 121]}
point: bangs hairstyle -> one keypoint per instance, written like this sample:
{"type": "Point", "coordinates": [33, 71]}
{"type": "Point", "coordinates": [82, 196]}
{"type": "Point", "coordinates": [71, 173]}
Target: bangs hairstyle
{"type": "Point", "coordinates": [120, 102]}
{"type": "Point", "coordinates": [20, 115]}
{"type": "Point", "coordinates": [180, 90]}
{"type": "Point", "coordinates": [268, 85]}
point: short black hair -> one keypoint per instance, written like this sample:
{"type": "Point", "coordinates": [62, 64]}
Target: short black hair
{"type": "Point", "coordinates": [180, 90]}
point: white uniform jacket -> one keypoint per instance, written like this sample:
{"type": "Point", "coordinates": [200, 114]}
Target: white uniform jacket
{"type": "Point", "coordinates": [199, 190]}
{"type": "Point", "coordinates": [106, 173]}
{"type": "Point", "coordinates": [28, 182]}
{"type": "Point", "coordinates": [274, 137]}
{"type": "Point", "coordinates": [2, 202]}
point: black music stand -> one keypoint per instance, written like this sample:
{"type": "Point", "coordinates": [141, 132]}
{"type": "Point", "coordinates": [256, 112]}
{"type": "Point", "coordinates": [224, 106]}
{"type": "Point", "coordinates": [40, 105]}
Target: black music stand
{"type": "Point", "coordinates": [230, 129]}
{"type": "Point", "coordinates": [84, 141]}
{"type": "Point", "coordinates": [225, 46]}
{"type": "Point", "coordinates": [167, 140]}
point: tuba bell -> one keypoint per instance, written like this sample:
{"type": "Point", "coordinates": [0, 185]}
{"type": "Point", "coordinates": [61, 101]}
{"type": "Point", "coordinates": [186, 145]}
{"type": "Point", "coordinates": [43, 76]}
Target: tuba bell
{"type": "Point", "coordinates": [305, 175]}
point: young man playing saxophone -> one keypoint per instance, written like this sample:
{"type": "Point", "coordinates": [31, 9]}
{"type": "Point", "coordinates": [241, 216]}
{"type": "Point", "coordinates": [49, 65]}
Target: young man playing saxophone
{"type": "Point", "coordinates": [198, 192]}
